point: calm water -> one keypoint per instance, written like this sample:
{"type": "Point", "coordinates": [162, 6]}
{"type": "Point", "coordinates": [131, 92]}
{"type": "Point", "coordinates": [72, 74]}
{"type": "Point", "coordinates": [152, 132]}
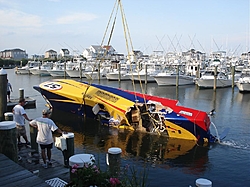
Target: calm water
{"type": "Point", "coordinates": [170, 163]}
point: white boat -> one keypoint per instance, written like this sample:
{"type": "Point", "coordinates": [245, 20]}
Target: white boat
{"type": "Point", "coordinates": [207, 80]}
{"type": "Point", "coordinates": [26, 69]}
{"type": "Point", "coordinates": [146, 74]}
{"type": "Point", "coordinates": [95, 75]}
{"type": "Point", "coordinates": [42, 70]}
{"type": "Point", "coordinates": [243, 83]}
{"type": "Point", "coordinates": [57, 70]}
{"type": "Point", "coordinates": [169, 79]}
{"type": "Point", "coordinates": [81, 66]}
{"type": "Point", "coordinates": [120, 73]}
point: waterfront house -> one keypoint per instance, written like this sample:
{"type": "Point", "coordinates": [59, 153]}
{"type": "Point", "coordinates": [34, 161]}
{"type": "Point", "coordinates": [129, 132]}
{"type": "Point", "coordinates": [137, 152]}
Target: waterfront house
{"type": "Point", "coordinates": [13, 54]}
{"type": "Point", "coordinates": [64, 53]}
{"type": "Point", "coordinates": [51, 54]}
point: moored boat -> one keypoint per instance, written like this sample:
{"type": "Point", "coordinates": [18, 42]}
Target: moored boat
{"type": "Point", "coordinates": [243, 83]}
{"type": "Point", "coordinates": [126, 109]}
{"type": "Point", "coordinates": [207, 80]}
{"type": "Point", "coordinates": [26, 69]}
{"type": "Point", "coordinates": [169, 79]}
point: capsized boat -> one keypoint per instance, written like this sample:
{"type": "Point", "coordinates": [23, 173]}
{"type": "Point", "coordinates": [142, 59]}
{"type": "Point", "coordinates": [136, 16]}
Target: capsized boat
{"type": "Point", "coordinates": [126, 109]}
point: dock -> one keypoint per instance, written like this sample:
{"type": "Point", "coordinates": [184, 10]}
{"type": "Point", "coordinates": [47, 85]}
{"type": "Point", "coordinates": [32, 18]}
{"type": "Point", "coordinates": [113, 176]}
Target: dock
{"type": "Point", "coordinates": [29, 172]}
{"type": "Point", "coordinates": [12, 174]}
{"type": "Point", "coordinates": [30, 103]}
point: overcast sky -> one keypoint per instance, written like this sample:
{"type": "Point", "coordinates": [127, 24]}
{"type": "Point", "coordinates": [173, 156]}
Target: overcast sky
{"type": "Point", "coordinates": [167, 25]}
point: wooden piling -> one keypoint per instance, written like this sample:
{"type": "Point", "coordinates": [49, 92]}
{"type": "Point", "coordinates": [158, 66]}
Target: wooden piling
{"type": "Point", "coordinates": [80, 70]}
{"type": "Point", "coordinates": [33, 135]}
{"type": "Point", "coordinates": [8, 116]}
{"type": "Point", "coordinates": [21, 93]}
{"type": "Point", "coordinates": [3, 93]}
{"type": "Point", "coordinates": [8, 139]}
{"type": "Point", "coordinates": [233, 74]}
{"type": "Point", "coordinates": [198, 72]}
{"type": "Point", "coordinates": [99, 71]}
{"type": "Point", "coordinates": [119, 75]}
{"type": "Point", "coordinates": [215, 77]}
{"type": "Point", "coordinates": [70, 148]}
{"type": "Point", "coordinates": [64, 65]}
{"type": "Point", "coordinates": [113, 160]}
{"type": "Point", "coordinates": [177, 75]}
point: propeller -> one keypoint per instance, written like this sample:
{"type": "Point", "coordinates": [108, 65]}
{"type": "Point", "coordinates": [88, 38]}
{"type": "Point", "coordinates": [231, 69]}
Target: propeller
{"type": "Point", "coordinates": [212, 112]}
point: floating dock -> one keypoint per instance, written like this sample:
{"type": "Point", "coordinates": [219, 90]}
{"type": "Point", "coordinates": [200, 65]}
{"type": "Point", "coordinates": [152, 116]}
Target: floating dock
{"type": "Point", "coordinates": [30, 103]}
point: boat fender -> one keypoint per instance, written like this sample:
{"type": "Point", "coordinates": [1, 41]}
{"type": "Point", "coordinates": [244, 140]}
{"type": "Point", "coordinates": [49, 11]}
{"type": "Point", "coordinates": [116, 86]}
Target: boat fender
{"type": "Point", "coordinates": [96, 109]}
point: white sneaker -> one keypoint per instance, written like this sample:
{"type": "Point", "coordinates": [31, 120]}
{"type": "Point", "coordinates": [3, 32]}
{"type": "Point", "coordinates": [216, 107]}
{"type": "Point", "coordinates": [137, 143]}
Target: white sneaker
{"type": "Point", "coordinates": [45, 165]}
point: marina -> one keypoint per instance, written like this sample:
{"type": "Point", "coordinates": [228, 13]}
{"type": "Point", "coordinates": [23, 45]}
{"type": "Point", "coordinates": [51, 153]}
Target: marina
{"type": "Point", "coordinates": [175, 116]}
{"type": "Point", "coordinates": [181, 161]}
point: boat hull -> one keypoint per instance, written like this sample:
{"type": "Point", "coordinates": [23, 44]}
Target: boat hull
{"type": "Point", "coordinates": [57, 73]}
{"type": "Point", "coordinates": [243, 86]}
{"type": "Point", "coordinates": [171, 80]}
{"type": "Point", "coordinates": [209, 83]}
{"type": "Point", "coordinates": [126, 109]}
{"type": "Point", "coordinates": [141, 78]}
{"type": "Point", "coordinates": [75, 73]}
{"type": "Point", "coordinates": [115, 77]}
{"type": "Point", "coordinates": [22, 71]}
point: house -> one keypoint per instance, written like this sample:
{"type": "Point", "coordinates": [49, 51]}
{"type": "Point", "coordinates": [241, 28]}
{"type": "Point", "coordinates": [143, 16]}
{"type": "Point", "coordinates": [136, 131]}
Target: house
{"type": "Point", "coordinates": [51, 54]}
{"type": "Point", "coordinates": [64, 53]}
{"type": "Point", "coordinates": [14, 54]}
{"type": "Point", "coordinates": [98, 51]}
{"type": "Point", "coordinates": [109, 49]}
{"type": "Point", "coordinates": [195, 55]}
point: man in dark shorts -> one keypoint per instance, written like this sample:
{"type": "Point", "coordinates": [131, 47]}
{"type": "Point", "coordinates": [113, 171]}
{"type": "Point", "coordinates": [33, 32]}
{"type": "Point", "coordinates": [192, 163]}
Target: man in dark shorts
{"type": "Point", "coordinates": [44, 138]}
{"type": "Point", "coordinates": [9, 89]}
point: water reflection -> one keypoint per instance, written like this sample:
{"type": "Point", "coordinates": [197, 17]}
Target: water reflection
{"type": "Point", "coordinates": [159, 151]}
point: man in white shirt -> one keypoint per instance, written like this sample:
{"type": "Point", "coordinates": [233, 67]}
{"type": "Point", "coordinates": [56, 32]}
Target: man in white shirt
{"type": "Point", "coordinates": [44, 138]}
{"type": "Point", "coordinates": [20, 115]}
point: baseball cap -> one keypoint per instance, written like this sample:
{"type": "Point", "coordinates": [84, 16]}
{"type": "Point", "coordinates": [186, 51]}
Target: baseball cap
{"type": "Point", "coordinates": [46, 111]}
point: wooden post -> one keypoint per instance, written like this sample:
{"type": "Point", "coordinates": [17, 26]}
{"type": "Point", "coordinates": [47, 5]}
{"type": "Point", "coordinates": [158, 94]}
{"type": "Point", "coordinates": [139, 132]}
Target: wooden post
{"type": "Point", "coordinates": [215, 77]}
{"type": "Point", "coordinates": [146, 74]}
{"type": "Point", "coordinates": [65, 74]}
{"type": "Point", "coordinates": [113, 160]}
{"type": "Point", "coordinates": [70, 148]}
{"type": "Point", "coordinates": [203, 182]}
{"type": "Point", "coordinates": [119, 71]}
{"type": "Point", "coordinates": [177, 75]}
{"type": "Point", "coordinates": [8, 116]}
{"type": "Point", "coordinates": [3, 93]}
{"type": "Point", "coordinates": [99, 71]}
{"type": "Point", "coordinates": [198, 71]}
{"type": "Point", "coordinates": [8, 139]}
{"type": "Point", "coordinates": [33, 135]}
{"type": "Point", "coordinates": [233, 74]}
{"type": "Point", "coordinates": [21, 93]}
{"type": "Point", "coordinates": [80, 70]}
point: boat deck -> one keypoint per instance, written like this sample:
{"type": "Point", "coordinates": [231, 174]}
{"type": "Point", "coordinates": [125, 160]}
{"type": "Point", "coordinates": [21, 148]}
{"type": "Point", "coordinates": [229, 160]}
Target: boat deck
{"type": "Point", "coordinates": [29, 172]}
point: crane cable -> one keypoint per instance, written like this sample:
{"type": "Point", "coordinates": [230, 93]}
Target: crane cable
{"type": "Point", "coordinates": [127, 35]}
{"type": "Point", "coordinates": [91, 80]}
{"type": "Point", "coordinates": [104, 36]}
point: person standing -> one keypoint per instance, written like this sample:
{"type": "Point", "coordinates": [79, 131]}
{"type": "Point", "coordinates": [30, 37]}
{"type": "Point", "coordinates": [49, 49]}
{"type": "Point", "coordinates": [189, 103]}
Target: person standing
{"type": "Point", "coordinates": [9, 89]}
{"type": "Point", "coordinates": [20, 115]}
{"type": "Point", "coordinates": [44, 138]}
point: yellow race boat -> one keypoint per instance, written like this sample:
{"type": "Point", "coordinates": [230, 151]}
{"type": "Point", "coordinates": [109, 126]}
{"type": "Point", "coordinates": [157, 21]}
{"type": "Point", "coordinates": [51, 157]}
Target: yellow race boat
{"type": "Point", "coordinates": [125, 109]}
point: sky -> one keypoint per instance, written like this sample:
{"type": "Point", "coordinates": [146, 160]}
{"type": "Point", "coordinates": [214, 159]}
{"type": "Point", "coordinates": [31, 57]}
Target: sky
{"type": "Point", "coordinates": [154, 25]}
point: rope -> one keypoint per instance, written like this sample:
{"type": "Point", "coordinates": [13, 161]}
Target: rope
{"type": "Point", "coordinates": [105, 33]}
{"type": "Point", "coordinates": [127, 35]}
